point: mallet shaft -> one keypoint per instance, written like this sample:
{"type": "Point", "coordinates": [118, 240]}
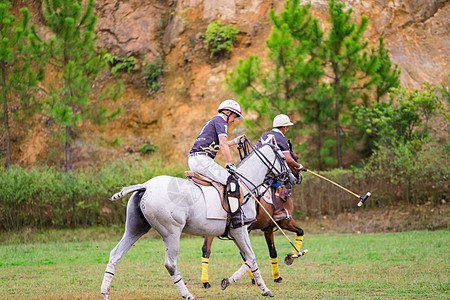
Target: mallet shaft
{"type": "Point", "coordinates": [356, 195]}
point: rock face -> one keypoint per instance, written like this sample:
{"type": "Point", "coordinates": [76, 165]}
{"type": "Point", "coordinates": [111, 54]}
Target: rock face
{"type": "Point", "coordinates": [416, 33]}
{"type": "Point", "coordinates": [131, 27]}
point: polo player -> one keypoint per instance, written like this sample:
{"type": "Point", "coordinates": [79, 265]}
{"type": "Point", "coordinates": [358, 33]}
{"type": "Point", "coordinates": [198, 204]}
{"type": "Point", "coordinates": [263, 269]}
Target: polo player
{"type": "Point", "coordinates": [281, 124]}
{"type": "Point", "coordinates": [212, 138]}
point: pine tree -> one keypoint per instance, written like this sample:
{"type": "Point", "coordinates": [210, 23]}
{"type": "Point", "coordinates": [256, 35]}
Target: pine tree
{"type": "Point", "coordinates": [291, 85]}
{"type": "Point", "coordinates": [316, 76]}
{"type": "Point", "coordinates": [73, 54]}
{"type": "Point", "coordinates": [342, 50]}
{"type": "Point", "coordinates": [19, 47]}
{"type": "Point", "coordinates": [387, 76]}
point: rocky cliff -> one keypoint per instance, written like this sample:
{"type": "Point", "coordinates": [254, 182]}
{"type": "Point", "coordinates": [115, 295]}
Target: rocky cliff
{"type": "Point", "coordinates": [415, 32]}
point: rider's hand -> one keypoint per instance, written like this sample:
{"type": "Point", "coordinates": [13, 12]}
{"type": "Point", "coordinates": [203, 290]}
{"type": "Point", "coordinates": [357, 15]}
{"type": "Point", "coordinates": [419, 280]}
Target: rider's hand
{"type": "Point", "coordinates": [239, 139]}
{"type": "Point", "coordinates": [300, 168]}
{"type": "Point", "coordinates": [230, 168]}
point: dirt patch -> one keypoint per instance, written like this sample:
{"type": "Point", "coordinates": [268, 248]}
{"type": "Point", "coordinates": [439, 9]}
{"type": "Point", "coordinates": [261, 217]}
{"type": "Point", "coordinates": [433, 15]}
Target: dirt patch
{"type": "Point", "coordinates": [388, 219]}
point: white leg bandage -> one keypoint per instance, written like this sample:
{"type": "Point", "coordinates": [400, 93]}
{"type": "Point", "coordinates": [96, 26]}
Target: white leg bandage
{"type": "Point", "coordinates": [258, 278]}
{"type": "Point", "coordinates": [239, 273]}
{"type": "Point", "coordinates": [107, 279]}
{"type": "Point", "coordinates": [181, 287]}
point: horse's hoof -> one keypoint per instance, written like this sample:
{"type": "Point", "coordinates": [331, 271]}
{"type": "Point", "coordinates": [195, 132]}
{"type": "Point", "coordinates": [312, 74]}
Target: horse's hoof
{"type": "Point", "coordinates": [206, 285]}
{"type": "Point", "coordinates": [191, 297]}
{"type": "Point", "coordinates": [267, 293]}
{"type": "Point", "coordinates": [225, 283]}
{"type": "Point", "coordinates": [106, 297]}
{"type": "Point", "coordinates": [288, 260]}
{"type": "Point", "coordinates": [253, 281]}
{"type": "Point", "coordinates": [279, 279]}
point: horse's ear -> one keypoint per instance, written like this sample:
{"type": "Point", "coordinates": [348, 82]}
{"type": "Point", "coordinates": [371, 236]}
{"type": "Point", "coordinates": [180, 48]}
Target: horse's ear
{"type": "Point", "coordinates": [273, 141]}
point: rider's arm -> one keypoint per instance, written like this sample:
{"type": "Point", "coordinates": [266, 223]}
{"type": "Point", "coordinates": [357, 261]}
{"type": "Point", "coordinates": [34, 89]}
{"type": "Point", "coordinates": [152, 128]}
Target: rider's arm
{"type": "Point", "coordinates": [290, 161]}
{"type": "Point", "coordinates": [225, 148]}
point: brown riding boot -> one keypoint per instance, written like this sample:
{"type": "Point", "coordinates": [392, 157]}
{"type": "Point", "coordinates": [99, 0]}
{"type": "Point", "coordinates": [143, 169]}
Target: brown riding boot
{"type": "Point", "coordinates": [280, 196]}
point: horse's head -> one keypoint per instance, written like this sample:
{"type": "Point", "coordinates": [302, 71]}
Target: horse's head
{"type": "Point", "coordinates": [278, 166]}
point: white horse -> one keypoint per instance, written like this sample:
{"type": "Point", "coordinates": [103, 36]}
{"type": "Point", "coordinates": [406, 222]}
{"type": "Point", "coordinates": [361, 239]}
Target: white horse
{"type": "Point", "coordinates": [173, 205]}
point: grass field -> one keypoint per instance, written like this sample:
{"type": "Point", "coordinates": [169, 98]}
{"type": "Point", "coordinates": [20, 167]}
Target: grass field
{"type": "Point", "coordinates": [70, 265]}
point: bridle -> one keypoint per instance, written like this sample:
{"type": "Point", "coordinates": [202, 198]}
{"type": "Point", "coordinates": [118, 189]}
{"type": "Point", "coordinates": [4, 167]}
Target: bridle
{"type": "Point", "coordinates": [281, 175]}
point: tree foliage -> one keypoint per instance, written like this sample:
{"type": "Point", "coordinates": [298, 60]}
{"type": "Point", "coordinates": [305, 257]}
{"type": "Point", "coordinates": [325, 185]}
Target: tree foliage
{"type": "Point", "coordinates": [73, 54]}
{"type": "Point", "coordinates": [19, 49]}
{"type": "Point", "coordinates": [317, 77]}
{"type": "Point", "coordinates": [403, 120]}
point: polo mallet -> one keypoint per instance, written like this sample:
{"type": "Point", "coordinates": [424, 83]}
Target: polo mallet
{"type": "Point", "coordinates": [299, 253]}
{"type": "Point", "coordinates": [362, 199]}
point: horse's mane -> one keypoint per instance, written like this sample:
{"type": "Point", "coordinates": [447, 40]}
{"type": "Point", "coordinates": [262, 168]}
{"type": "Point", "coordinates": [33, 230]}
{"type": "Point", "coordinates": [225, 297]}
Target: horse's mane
{"type": "Point", "coordinates": [251, 154]}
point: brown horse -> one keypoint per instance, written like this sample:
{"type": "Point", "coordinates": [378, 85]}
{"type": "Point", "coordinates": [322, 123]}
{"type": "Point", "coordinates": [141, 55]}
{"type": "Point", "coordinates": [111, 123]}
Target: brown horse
{"type": "Point", "coordinates": [264, 223]}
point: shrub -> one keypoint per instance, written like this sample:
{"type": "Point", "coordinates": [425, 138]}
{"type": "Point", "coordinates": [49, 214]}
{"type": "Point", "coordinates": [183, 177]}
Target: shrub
{"type": "Point", "coordinates": [120, 63]}
{"type": "Point", "coordinates": [219, 38]}
{"type": "Point", "coordinates": [50, 198]}
{"type": "Point", "coordinates": [152, 73]}
{"type": "Point", "coordinates": [412, 174]}
{"type": "Point", "coordinates": [148, 148]}
{"type": "Point", "coordinates": [394, 175]}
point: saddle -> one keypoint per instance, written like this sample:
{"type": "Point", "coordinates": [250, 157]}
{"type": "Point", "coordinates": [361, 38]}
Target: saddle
{"type": "Point", "coordinates": [228, 206]}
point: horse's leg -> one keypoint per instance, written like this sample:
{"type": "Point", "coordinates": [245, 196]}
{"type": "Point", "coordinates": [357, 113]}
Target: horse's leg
{"type": "Point", "coordinates": [268, 234]}
{"type": "Point", "coordinates": [249, 271]}
{"type": "Point", "coordinates": [242, 241]}
{"type": "Point", "coordinates": [135, 226]}
{"type": "Point", "coordinates": [172, 242]}
{"type": "Point", "coordinates": [293, 227]}
{"type": "Point", "coordinates": [206, 252]}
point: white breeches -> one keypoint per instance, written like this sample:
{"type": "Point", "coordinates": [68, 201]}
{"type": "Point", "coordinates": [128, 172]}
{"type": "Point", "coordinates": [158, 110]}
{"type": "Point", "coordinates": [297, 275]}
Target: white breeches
{"type": "Point", "coordinates": [206, 166]}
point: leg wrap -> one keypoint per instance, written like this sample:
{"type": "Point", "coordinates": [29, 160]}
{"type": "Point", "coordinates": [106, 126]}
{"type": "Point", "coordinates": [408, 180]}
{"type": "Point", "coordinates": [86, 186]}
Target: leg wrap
{"type": "Point", "coordinates": [239, 273]}
{"type": "Point", "coordinates": [250, 274]}
{"type": "Point", "coordinates": [179, 284]}
{"type": "Point", "coordinates": [298, 244]}
{"type": "Point", "coordinates": [107, 279]}
{"type": "Point", "coordinates": [275, 270]}
{"type": "Point", "coordinates": [258, 279]}
{"type": "Point", "coordinates": [205, 276]}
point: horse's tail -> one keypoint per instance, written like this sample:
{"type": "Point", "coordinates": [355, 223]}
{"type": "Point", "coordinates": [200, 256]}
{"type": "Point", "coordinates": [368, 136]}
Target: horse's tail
{"type": "Point", "coordinates": [127, 190]}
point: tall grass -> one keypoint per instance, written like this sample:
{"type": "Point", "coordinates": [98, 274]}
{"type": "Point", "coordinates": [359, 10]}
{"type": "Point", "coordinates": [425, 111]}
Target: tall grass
{"type": "Point", "coordinates": [47, 197]}
{"type": "Point", "coordinates": [393, 176]}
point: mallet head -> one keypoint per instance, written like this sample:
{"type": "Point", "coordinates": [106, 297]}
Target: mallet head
{"type": "Point", "coordinates": [363, 199]}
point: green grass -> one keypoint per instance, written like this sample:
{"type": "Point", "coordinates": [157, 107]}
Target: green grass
{"type": "Point", "coordinates": [67, 265]}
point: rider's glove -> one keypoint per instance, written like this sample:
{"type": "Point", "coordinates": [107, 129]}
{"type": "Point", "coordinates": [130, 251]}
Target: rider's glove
{"type": "Point", "coordinates": [230, 168]}
{"type": "Point", "coordinates": [239, 139]}
{"type": "Point", "coordinates": [300, 168]}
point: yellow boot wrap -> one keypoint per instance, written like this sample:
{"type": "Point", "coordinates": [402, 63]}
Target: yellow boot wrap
{"type": "Point", "coordinates": [298, 244]}
{"type": "Point", "coordinates": [250, 275]}
{"type": "Point", "coordinates": [275, 271]}
{"type": "Point", "coordinates": [205, 264]}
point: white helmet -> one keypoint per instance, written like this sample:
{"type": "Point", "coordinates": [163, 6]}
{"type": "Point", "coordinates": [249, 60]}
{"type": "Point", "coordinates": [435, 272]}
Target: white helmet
{"type": "Point", "coordinates": [281, 121]}
{"type": "Point", "coordinates": [232, 106]}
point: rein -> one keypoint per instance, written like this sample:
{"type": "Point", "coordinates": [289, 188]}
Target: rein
{"type": "Point", "coordinates": [282, 174]}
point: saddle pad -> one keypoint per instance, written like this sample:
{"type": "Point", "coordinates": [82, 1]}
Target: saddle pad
{"type": "Point", "coordinates": [214, 209]}
{"type": "Point", "coordinates": [267, 195]}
